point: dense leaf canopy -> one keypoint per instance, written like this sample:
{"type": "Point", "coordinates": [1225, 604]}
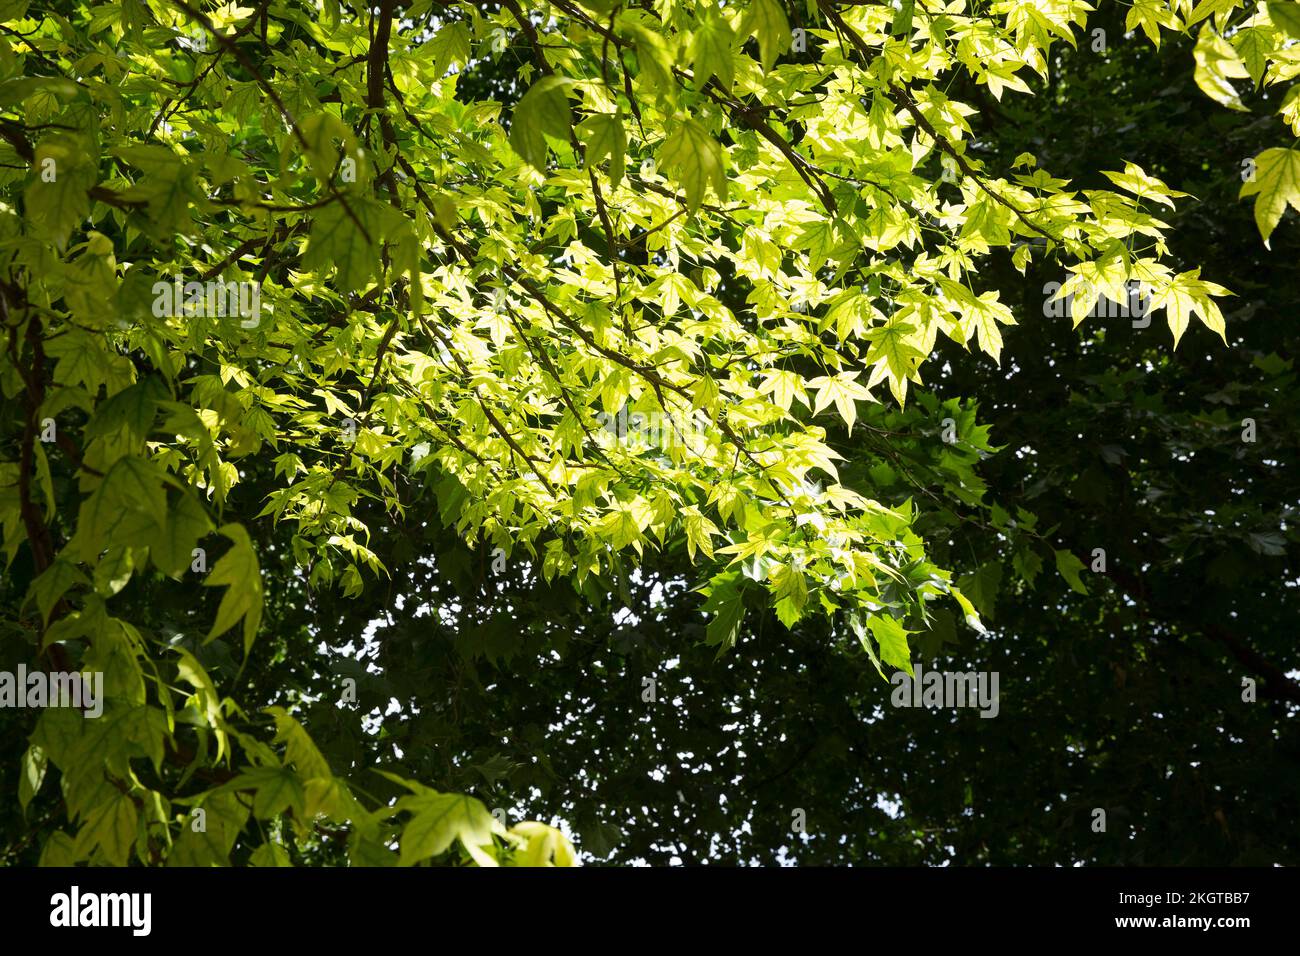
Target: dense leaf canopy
{"type": "Point", "coordinates": [585, 404]}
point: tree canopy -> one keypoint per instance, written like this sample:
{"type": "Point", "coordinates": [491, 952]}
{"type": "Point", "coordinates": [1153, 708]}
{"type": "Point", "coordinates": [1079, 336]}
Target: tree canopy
{"type": "Point", "coordinates": [404, 404]}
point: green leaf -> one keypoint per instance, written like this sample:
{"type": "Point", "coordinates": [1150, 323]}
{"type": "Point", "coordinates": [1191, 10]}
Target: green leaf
{"type": "Point", "coordinates": [1027, 564]}
{"type": "Point", "coordinates": [31, 775]}
{"type": "Point", "coordinates": [902, 25]}
{"type": "Point", "coordinates": [543, 846]}
{"type": "Point", "coordinates": [968, 609]}
{"type": "Point", "coordinates": [439, 819]}
{"type": "Point", "coordinates": [1151, 15]}
{"type": "Point", "coordinates": [300, 749]}
{"type": "Point", "coordinates": [238, 570]}
{"type": "Point", "coordinates": [187, 522]}
{"type": "Point", "coordinates": [83, 360]}
{"type": "Point", "coordinates": [1276, 185]}
{"type": "Point", "coordinates": [1208, 8]}
{"type": "Point", "coordinates": [893, 353]}
{"type": "Point", "coordinates": [132, 408]}
{"type": "Point", "coordinates": [277, 789]}
{"type": "Point", "coordinates": [166, 186]}
{"type": "Point", "coordinates": [189, 670]}
{"type": "Point", "coordinates": [858, 623]}
{"type": "Point", "coordinates": [696, 160]}
{"type": "Point", "coordinates": [114, 570]}
{"type": "Point", "coordinates": [146, 728]}
{"type": "Point", "coordinates": [654, 54]}
{"type": "Point", "coordinates": [941, 631]}
{"type": "Point", "coordinates": [1070, 566]}
{"type": "Point", "coordinates": [341, 245]}
{"type": "Point", "coordinates": [60, 850]}
{"type": "Point", "coordinates": [226, 817]}
{"type": "Point", "coordinates": [1187, 294]}
{"type": "Point", "coordinates": [128, 508]}
{"type": "Point", "coordinates": [892, 638]}
{"type": "Point", "coordinates": [726, 603]}
{"type": "Point", "coordinates": [790, 588]}
{"type": "Point", "coordinates": [451, 45]}
{"type": "Point", "coordinates": [1255, 45]}
{"type": "Point", "coordinates": [543, 111]}
{"type": "Point", "coordinates": [58, 733]}
{"type": "Point", "coordinates": [602, 134]}
{"type": "Point", "coordinates": [981, 586]}
{"type": "Point", "coordinates": [843, 391]}
{"type": "Point", "coordinates": [700, 532]}
{"type": "Point", "coordinates": [110, 827]}
{"type": "Point", "coordinates": [766, 20]}
{"type": "Point", "coordinates": [270, 854]}
{"type": "Point", "coordinates": [711, 49]}
{"type": "Point", "coordinates": [1269, 543]}
{"type": "Point", "coordinates": [56, 197]}
{"type": "Point", "coordinates": [53, 583]}
{"type": "Point", "coordinates": [1286, 17]}
{"type": "Point", "coordinates": [320, 130]}
{"type": "Point", "coordinates": [1216, 64]}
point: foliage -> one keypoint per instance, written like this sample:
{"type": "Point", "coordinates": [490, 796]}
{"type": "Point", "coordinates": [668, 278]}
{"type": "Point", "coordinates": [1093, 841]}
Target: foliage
{"type": "Point", "coordinates": [679, 212]}
{"type": "Point", "coordinates": [1239, 41]}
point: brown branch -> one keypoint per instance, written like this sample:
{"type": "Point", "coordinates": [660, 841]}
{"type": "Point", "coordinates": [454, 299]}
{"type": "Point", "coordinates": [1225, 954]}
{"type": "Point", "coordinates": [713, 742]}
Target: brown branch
{"type": "Point", "coordinates": [531, 32]}
{"type": "Point", "coordinates": [753, 119]}
{"type": "Point", "coordinates": [38, 533]}
{"type": "Point", "coordinates": [243, 249]}
{"type": "Point", "coordinates": [376, 70]}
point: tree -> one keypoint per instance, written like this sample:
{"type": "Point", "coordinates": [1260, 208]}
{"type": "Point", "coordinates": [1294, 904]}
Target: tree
{"type": "Point", "coordinates": [276, 280]}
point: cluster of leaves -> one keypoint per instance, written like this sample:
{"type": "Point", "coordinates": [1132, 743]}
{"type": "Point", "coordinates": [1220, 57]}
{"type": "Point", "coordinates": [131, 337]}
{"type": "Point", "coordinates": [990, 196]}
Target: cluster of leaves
{"type": "Point", "coordinates": [685, 215]}
{"type": "Point", "coordinates": [1240, 40]}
